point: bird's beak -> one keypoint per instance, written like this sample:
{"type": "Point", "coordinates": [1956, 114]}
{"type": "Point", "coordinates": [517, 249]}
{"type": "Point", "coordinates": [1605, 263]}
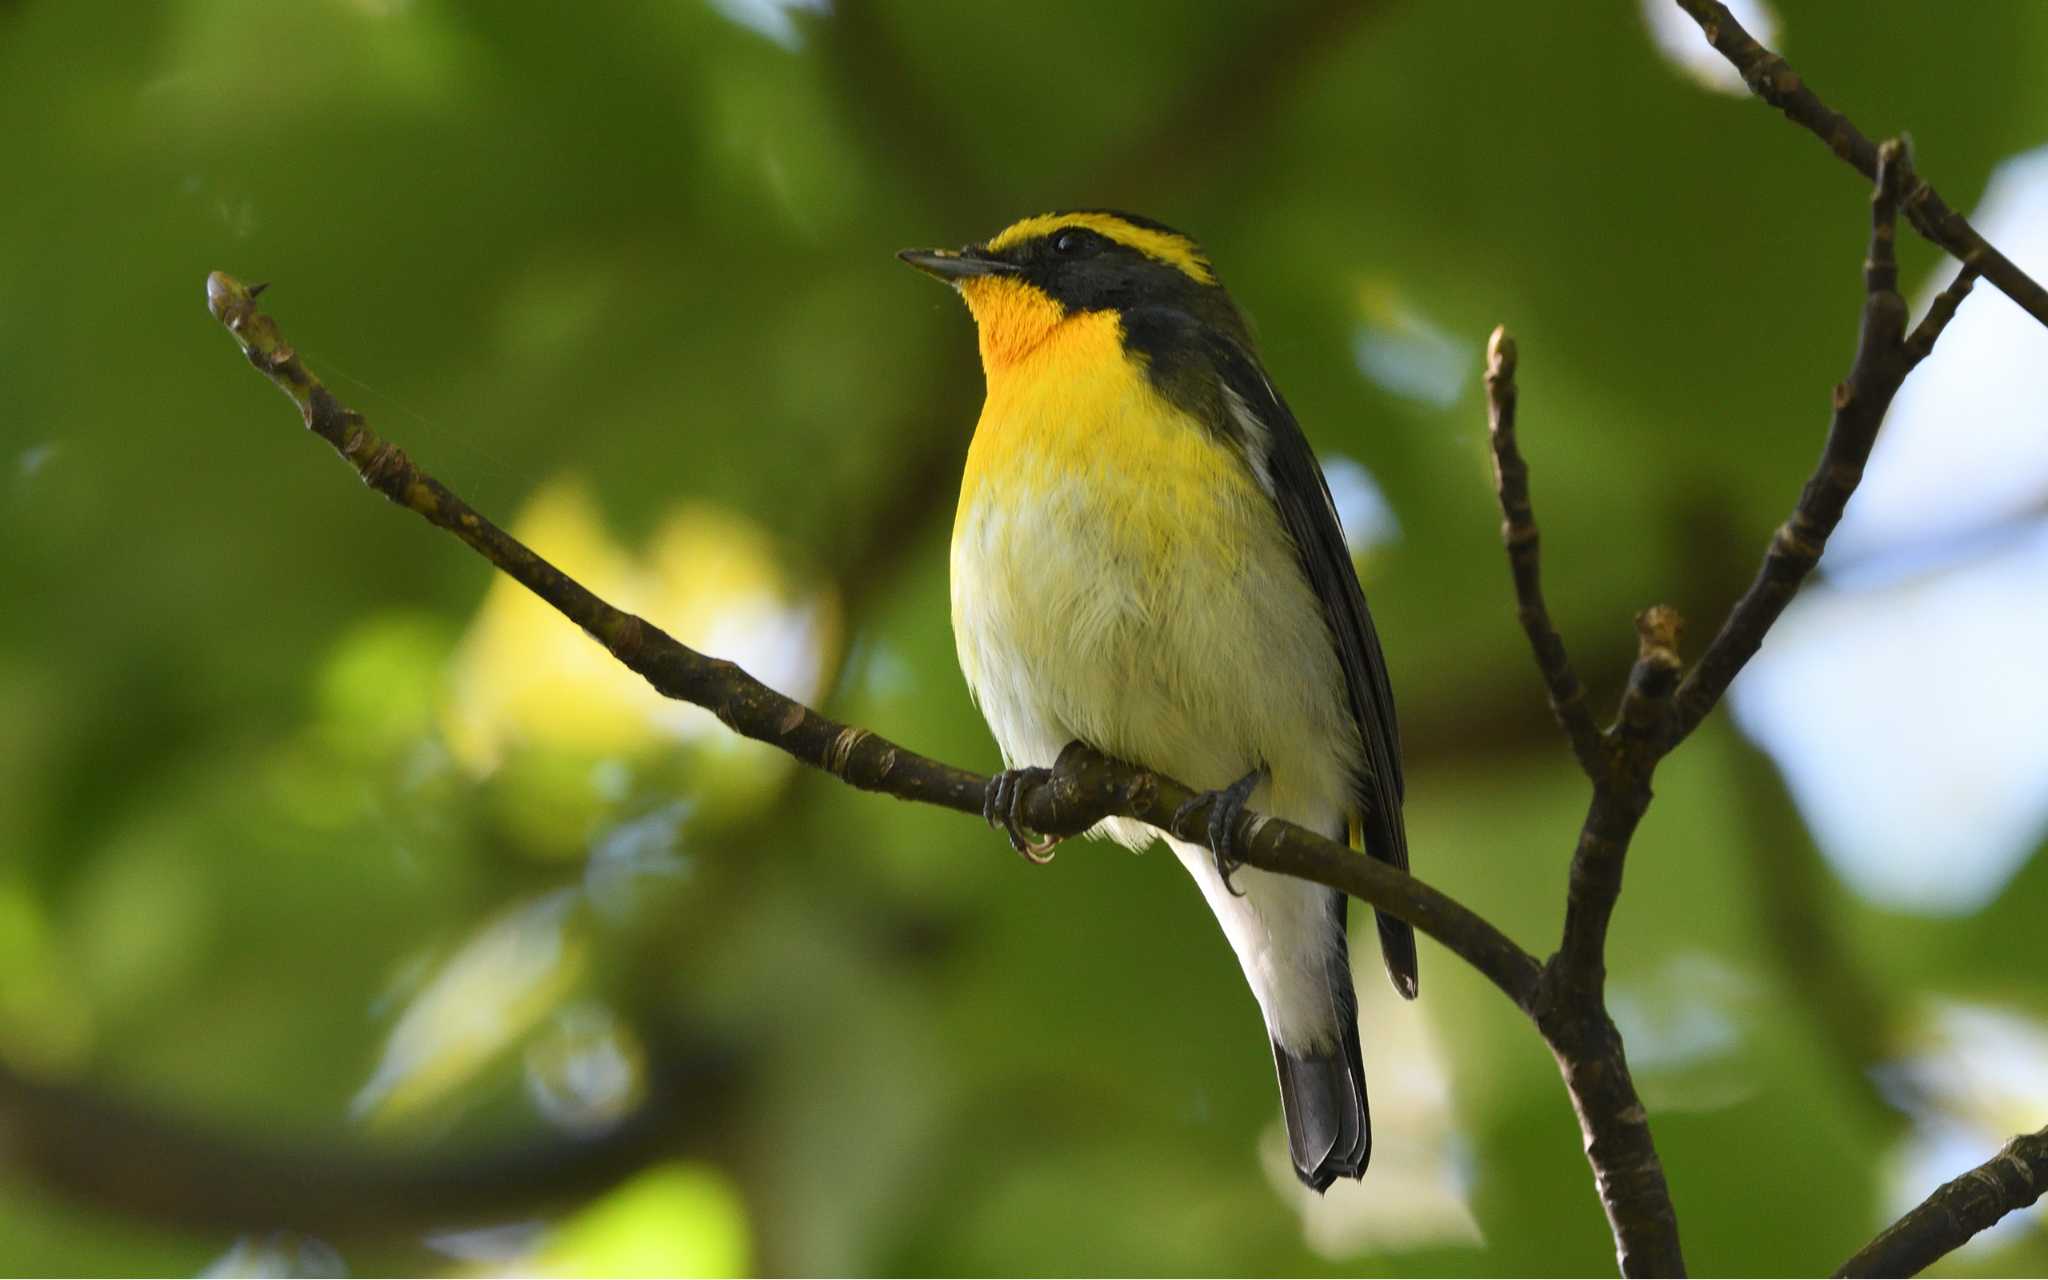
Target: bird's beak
{"type": "Point", "coordinates": [951, 266]}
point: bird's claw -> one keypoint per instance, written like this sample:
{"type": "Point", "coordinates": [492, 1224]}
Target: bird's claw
{"type": "Point", "coordinates": [1230, 801]}
{"type": "Point", "coordinates": [1000, 806]}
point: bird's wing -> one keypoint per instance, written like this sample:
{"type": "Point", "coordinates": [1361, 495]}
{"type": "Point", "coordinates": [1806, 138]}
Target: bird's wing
{"type": "Point", "coordinates": [1287, 468]}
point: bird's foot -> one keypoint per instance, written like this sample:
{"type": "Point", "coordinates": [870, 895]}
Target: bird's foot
{"type": "Point", "coordinates": [1001, 805]}
{"type": "Point", "coordinates": [1229, 803]}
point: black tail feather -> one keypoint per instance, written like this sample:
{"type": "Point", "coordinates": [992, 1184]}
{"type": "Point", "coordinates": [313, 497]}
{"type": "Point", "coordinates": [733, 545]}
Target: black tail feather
{"type": "Point", "coordinates": [1329, 1132]}
{"type": "Point", "coordinates": [1322, 1093]}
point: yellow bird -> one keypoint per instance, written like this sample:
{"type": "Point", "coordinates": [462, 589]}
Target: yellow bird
{"type": "Point", "coordinates": [1146, 559]}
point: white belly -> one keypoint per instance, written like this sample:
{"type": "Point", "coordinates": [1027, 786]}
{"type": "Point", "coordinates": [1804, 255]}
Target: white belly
{"type": "Point", "coordinates": [1204, 656]}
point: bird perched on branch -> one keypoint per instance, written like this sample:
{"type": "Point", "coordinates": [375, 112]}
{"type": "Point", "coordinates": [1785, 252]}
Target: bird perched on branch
{"type": "Point", "coordinates": [1146, 559]}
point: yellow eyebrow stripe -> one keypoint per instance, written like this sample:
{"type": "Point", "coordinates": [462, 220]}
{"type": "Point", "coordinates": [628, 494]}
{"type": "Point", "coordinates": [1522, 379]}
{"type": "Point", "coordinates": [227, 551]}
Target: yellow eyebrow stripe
{"type": "Point", "coordinates": [1175, 250]}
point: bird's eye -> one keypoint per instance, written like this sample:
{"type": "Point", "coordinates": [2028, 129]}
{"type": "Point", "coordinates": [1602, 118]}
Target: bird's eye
{"type": "Point", "coordinates": [1070, 243]}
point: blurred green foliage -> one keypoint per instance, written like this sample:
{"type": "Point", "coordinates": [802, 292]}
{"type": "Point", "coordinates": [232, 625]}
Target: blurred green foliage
{"type": "Point", "coordinates": [284, 856]}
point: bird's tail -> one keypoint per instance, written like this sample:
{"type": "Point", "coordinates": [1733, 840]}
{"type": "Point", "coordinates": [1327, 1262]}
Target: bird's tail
{"type": "Point", "coordinates": [1322, 1094]}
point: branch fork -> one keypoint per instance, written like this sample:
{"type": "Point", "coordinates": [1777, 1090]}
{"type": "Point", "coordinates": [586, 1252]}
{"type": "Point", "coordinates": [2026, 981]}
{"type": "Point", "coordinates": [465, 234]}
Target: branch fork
{"type": "Point", "coordinates": [1663, 702]}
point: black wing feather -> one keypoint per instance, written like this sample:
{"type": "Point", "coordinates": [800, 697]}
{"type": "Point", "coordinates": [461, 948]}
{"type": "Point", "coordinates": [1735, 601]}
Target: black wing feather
{"type": "Point", "coordinates": [1303, 496]}
{"type": "Point", "coordinates": [1206, 367]}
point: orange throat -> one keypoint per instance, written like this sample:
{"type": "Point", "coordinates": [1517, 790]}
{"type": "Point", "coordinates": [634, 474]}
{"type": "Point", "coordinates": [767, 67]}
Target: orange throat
{"type": "Point", "coordinates": [1014, 319]}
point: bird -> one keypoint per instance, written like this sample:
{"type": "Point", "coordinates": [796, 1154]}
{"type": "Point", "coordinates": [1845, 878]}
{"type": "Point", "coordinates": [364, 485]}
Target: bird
{"type": "Point", "coordinates": [1146, 559]}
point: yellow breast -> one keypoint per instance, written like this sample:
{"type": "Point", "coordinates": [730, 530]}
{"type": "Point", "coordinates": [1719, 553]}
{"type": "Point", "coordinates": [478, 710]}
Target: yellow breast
{"type": "Point", "coordinates": [1072, 413]}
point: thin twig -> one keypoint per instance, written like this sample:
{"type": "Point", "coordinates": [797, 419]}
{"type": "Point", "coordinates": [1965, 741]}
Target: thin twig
{"type": "Point", "coordinates": [1646, 700]}
{"type": "Point", "coordinates": [1085, 788]}
{"type": "Point", "coordinates": [1773, 80]}
{"type": "Point", "coordinates": [1518, 533]}
{"type": "Point", "coordinates": [1884, 356]}
{"type": "Point", "coordinates": [1920, 342]}
{"type": "Point", "coordinates": [2006, 1183]}
{"type": "Point", "coordinates": [1621, 794]}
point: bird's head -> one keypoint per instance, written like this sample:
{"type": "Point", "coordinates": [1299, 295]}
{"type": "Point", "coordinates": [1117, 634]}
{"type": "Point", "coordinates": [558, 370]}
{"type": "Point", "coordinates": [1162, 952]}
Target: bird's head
{"type": "Point", "coordinates": [1035, 275]}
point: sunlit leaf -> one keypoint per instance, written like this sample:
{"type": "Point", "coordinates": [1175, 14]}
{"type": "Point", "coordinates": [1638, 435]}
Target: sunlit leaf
{"type": "Point", "coordinates": [510, 975]}
{"type": "Point", "coordinates": [525, 680]}
{"type": "Point", "coordinates": [673, 1220]}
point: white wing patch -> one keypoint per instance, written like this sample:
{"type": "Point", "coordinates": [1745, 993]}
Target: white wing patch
{"type": "Point", "coordinates": [1258, 440]}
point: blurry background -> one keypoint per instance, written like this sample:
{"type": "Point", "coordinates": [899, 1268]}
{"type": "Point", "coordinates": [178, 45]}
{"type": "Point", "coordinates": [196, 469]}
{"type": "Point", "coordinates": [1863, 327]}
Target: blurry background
{"type": "Point", "coordinates": [357, 913]}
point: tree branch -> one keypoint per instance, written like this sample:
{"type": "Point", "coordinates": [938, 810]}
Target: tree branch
{"type": "Point", "coordinates": [1627, 1173]}
{"type": "Point", "coordinates": [2009, 1181]}
{"type": "Point", "coordinates": [1572, 1012]}
{"type": "Point", "coordinates": [1621, 795]}
{"type": "Point", "coordinates": [1085, 788]}
{"type": "Point", "coordinates": [1771, 78]}
{"type": "Point", "coordinates": [1518, 533]}
{"type": "Point", "coordinates": [1885, 354]}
